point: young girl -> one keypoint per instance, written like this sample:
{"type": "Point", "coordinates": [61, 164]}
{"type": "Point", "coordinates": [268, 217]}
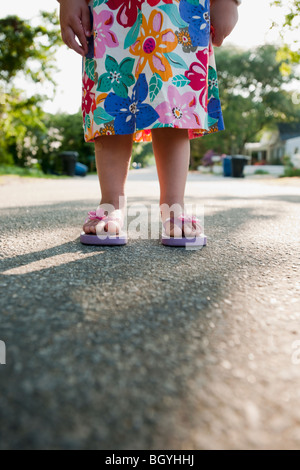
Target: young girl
{"type": "Point", "coordinates": [148, 74]}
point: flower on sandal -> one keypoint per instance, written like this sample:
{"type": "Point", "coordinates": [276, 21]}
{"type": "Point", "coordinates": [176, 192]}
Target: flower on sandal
{"type": "Point", "coordinates": [117, 77]}
{"type": "Point", "coordinates": [131, 113]}
{"type": "Point", "coordinates": [103, 36]}
{"type": "Point", "coordinates": [151, 45]}
{"type": "Point", "coordinates": [179, 110]}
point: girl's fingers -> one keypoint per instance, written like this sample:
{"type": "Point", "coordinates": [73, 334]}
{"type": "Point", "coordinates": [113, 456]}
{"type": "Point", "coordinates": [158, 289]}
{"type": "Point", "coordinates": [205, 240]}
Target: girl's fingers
{"type": "Point", "coordinates": [86, 22]}
{"type": "Point", "coordinates": [79, 31]}
{"type": "Point", "coordinates": [69, 39]}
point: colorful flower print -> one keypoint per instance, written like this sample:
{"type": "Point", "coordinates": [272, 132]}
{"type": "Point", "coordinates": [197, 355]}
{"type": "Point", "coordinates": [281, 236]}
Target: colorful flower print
{"type": "Point", "coordinates": [87, 95]}
{"type": "Point", "coordinates": [215, 113]}
{"type": "Point", "coordinates": [150, 65]}
{"type": "Point", "coordinates": [153, 3]}
{"type": "Point", "coordinates": [118, 77]}
{"type": "Point", "coordinates": [184, 39]}
{"type": "Point", "coordinates": [197, 17]}
{"type": "Point", "coordinates": [128, 10]}
{"type": "Point", "coordinates": [213, 90]}
{"type": "Point", "coordinates": [131, 113]}
{"type": "Point", "coordinates": [108, 129]}
{"type": "Point", "coordinates": [179, 110]}
{"type": "Point", "coordinates": [103, 36]}
{"type": "Point", "coordinates": [197, 74]}
{"type": "Point", "coordinates": [151, 45]}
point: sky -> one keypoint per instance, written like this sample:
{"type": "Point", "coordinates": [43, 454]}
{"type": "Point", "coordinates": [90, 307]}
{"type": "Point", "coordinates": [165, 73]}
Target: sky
{"type": "Point", "coordinates": [253, 29]}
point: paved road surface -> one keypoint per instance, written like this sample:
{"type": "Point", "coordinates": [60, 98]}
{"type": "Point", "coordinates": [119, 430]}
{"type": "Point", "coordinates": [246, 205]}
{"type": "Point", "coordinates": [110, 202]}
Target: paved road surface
{"type": "Point", "coordinates": [148, 347]}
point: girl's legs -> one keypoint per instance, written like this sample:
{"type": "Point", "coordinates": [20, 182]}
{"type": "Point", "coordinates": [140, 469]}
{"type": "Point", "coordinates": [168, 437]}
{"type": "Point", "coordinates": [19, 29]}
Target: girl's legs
{"type": "Point", "coordinates": [172, 154]}
{"type": "Point", "coordinates": [113, 154]}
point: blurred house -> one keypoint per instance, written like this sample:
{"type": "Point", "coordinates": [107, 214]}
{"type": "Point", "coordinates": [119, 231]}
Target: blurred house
{"type": "Point", "coordinates": [274, 145]}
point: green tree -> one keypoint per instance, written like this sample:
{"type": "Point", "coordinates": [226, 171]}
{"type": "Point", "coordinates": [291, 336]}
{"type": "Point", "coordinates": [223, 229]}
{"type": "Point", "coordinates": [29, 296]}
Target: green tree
{"type": "Point", "coordinates": [28, 51]}
{"type": "Point", "coordinates": [64, 132]}
{"type": "Point", "coordinates": [253, 96]}
{"type": "Point", "coordinates": [289, 53]}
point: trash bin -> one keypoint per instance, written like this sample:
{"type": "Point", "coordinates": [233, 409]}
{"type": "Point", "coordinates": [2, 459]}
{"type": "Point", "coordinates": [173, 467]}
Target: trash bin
{"type": "Point", "coordinates": [80, 169]}
{"type": "Point", "coordinates": [68, 162]}
{"type": "Point", "coordinates": [227, 166]}
{"type": "Point", "coordinates": [238, 162]}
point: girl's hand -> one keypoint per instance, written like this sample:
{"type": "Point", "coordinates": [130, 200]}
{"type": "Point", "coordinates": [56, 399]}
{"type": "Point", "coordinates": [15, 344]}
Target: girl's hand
{"type": "Point", "coordinates": [224, 16]}
{"type": "Point", "coordinates": [75, 22]}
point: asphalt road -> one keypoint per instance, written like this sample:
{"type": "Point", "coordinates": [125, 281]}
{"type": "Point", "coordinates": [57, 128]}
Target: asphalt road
{"type": "Point", "coordinates": [145, 346]}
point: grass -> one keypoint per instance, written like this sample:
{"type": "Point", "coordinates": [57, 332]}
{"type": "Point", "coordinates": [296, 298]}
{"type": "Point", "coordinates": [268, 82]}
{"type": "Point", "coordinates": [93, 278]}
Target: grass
{"type": "Point", "coordinates": [261, 172]}
{"type": "Point", "coordinates": [26, 172]}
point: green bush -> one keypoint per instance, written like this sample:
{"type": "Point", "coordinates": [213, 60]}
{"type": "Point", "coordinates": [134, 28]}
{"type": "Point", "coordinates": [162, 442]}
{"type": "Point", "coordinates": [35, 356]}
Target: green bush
{"type": "Point", "coordinates": [289, 171]}
{"type": "Point", "coordinates": [261, 172]}
{"type": "Point", "coordinates": [5, 157]}
{"type": "Point", "coordinates": [142, 153]}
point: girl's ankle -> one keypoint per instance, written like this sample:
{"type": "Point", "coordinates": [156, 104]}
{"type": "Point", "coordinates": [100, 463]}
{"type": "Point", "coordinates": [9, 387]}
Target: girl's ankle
{"type": "Point", "coordinates": [171, 210]}
{"type": "Point", "coordinates": [113, 203]}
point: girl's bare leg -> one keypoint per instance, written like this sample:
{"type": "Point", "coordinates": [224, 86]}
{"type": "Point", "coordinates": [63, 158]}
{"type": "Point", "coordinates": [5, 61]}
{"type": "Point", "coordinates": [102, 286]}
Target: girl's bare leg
{"type": "Point", "coordinates": [172, 154]}
{"type": "Point", "coordinates": [113, 154]}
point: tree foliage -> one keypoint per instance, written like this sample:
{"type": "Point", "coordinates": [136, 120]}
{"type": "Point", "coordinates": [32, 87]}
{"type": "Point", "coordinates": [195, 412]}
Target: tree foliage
{"type": "Point", "coordinates": [291, 18]}
{"type": "Point", "coordinates": [62, 132]}
{"type": "Point", "coordinates": [253, 96]}
{"type": "Point", "coordinates": [28, 51]}
{"type": "Point", "coordinates": [289, 53]}
{"type": "Point", "coordinates": [28, 48]}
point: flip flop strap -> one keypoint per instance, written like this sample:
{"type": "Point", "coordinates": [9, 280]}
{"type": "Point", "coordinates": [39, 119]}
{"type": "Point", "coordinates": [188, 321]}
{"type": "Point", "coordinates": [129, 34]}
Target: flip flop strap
{"type": "Point", "coordinates": [182, 219]}
{"type": "Point", "coordinates": [188, 218]}
{"type": "Point", "coordinates": [99, 214]}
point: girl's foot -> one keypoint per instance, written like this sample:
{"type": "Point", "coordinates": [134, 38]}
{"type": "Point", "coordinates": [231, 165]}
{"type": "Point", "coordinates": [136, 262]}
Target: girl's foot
{"type": "Point", "coordinates": [176, 223]}
{"type": "Point", "coordinates": [111, 224]}
{"type": "Point", "coordinates": [187, 228]}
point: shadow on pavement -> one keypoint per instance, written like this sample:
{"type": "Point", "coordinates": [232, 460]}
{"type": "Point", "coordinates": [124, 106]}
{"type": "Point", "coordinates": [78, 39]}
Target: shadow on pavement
{"type": "Point", "coordinates": [121, 348]}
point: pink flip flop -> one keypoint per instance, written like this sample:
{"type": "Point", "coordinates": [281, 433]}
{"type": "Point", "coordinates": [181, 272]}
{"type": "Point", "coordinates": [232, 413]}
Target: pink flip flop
{"type": "Point", "coordinates": [103, 238]}
{"type": "Point", "coordinates": [191, 241]}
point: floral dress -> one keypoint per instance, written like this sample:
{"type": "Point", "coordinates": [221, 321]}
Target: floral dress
{"type": "Point", "coordinates": [150, 64]}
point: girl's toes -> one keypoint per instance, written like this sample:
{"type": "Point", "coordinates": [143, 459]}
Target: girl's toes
{"type": "Point", "coordinates": [198, 229]}
{"type": "Point", "coordinates": [99, 228]}
{"type": "Point", "coordinates": [172, 230]}
{"type": "Point", "coordinates": [113, 227]}
{"type": "Point", "coordinates": [93, 229]}
{"type": "Point", "coordinates": [87, 227]}
{"type": "Point", "coordinates": [176, 232]}
{"type": "Point", "coordinates": [168, 229]}
{"type": "Point", "coordinates": [188, 230]}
